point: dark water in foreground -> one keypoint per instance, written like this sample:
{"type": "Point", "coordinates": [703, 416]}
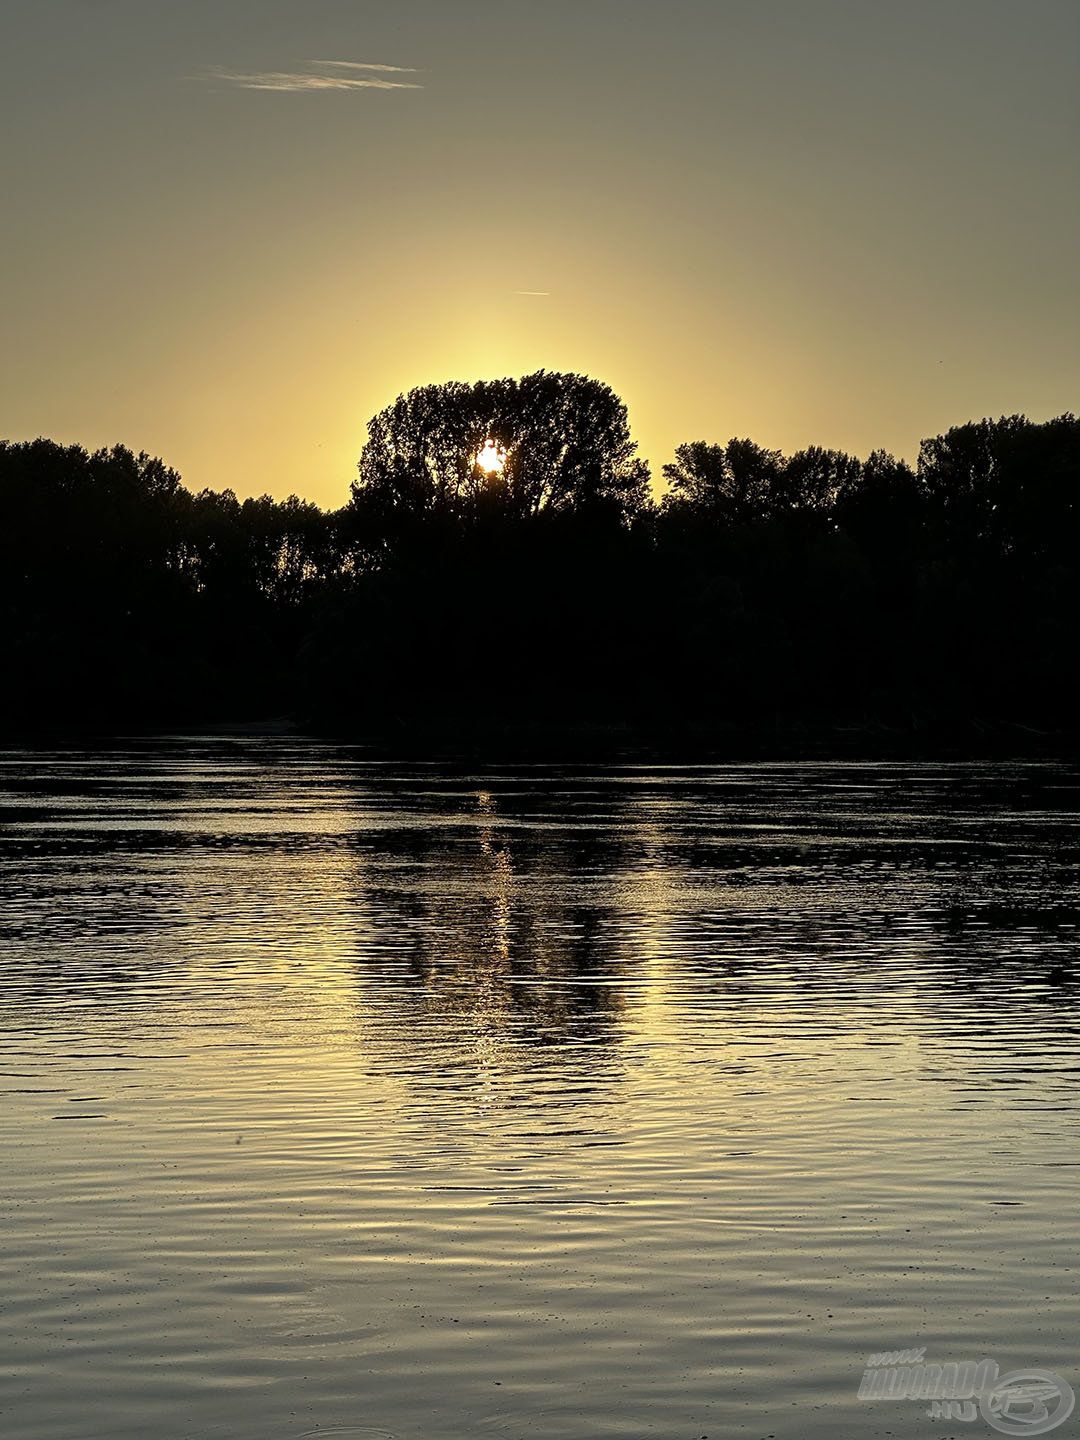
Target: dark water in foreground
{"type": "Point", "coordinates": [359, 1100]}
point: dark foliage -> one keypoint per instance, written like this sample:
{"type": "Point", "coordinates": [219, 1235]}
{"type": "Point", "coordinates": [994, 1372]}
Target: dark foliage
{"type": "Point", "coordinates": [548, 589]}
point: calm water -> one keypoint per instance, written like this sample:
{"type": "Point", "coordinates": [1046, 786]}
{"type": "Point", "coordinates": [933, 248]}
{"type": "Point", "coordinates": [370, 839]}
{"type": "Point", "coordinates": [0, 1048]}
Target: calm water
{"type": "Point", "coordinates": [353, 1099]}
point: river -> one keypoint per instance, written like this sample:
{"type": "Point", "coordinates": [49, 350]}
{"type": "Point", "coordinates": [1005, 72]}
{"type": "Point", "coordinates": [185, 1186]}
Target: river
{"type": "Point", "coordinates": [350, 1098]}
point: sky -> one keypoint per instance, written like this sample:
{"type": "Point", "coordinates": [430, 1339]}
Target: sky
{"type": "Point", "coordinates": [235, 229]}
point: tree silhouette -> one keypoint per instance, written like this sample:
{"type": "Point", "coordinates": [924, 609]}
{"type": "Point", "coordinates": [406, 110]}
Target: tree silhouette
{"type": "Point", "coordinates": [727, 484]}
{"type": "Point", "coordinates": [740, 482]}
{"type": "Point", "coordinates": [566, 441]}
{"type": "Point", "coordinates": [544, 585]}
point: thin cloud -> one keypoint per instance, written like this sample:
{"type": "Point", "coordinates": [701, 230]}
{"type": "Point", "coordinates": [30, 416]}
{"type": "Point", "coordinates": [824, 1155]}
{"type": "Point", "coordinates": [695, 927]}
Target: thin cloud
{"type": "Point", "coordinates": [321, 75]}
{"type": "Point", "coordinates": [536, 293]}
{"type": "Point", "coordinates": [358, 65]}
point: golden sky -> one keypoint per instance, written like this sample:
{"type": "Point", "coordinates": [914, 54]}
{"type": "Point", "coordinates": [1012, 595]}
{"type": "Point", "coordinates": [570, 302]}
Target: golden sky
{"type": "Point", "coordinates": [234, 229]}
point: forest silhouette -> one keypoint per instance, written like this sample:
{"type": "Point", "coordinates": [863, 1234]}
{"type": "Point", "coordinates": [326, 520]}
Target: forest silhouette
{"type": "Point", "coordinates": [548, 588]}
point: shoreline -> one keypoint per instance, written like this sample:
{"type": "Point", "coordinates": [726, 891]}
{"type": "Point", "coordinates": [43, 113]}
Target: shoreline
{"type": "Point", "coordinates": [957, 740]}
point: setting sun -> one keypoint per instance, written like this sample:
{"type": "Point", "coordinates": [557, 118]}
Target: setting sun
{"type": "Point", "coordinates": [492, 458]}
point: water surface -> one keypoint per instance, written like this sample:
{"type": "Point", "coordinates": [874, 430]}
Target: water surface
{"type": "Point", "coordinates": [356, 1099]}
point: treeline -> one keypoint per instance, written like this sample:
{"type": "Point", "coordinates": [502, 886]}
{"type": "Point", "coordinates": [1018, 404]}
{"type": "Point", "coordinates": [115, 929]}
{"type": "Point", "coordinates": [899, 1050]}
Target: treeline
{"type": "Point", "coordinates": [501, 560]}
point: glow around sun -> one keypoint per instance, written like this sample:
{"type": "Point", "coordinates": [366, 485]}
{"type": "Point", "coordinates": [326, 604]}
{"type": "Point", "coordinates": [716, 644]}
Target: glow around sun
{"type": "Point", "coordinates": [491, 458]}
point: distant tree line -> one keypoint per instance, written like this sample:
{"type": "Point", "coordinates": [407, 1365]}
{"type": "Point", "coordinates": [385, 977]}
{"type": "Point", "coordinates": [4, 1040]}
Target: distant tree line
{"type": "Point", "coordinates": [501, 559]}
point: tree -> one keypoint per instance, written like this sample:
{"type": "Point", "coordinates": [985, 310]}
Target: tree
{"type": "Point", "coordinates": [564, 443]}
{"type": "Point", "coordinates": [813, 480]}
{"type": "Point", "coordinates": [1006, 485]}
{"type": "Point", "coordinates": [741, 482]}
{"type": "Point", "coordinates": [884, 504]}
{"type": "Point", "coordinates": [733, 483]}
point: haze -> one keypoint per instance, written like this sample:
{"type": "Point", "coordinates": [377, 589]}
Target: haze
{"type": "Point", "coordinates": [237, 228]}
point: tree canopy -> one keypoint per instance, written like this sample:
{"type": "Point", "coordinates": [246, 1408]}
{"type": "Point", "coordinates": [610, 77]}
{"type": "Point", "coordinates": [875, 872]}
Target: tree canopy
{"type": "Point", "coordinates": [501, 554]}
{"type": "Point", "coordinates": [566, 441]}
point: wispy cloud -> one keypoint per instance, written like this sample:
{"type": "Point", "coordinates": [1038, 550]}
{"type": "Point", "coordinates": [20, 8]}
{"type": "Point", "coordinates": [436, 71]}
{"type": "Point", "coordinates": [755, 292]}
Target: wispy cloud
{"type": "Point", "coordinates": [322, 75]}
{"type": "Point", "coordinates": [535, 293]}
{"type": "Point", "coordinates": [358, 65]}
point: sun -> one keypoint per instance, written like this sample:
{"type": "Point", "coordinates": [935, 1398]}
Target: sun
{"type": "Point", "coordinates": [491, 458]}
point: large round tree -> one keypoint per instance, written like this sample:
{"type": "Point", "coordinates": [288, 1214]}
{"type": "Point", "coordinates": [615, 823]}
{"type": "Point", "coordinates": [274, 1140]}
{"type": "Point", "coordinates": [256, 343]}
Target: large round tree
{"type": "Point", "coordinates": [546, 442]}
